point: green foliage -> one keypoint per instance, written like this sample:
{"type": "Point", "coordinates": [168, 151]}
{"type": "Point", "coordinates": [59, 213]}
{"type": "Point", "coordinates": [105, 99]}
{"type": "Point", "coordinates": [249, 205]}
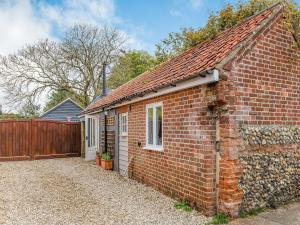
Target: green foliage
{"type": "Point", "coordinates": [11, 116]}
{"type": "Point", "coordinates": [227, 17]}
{"type": "Point", "coordinates": [184, 205]}
{"type": "Point", "coordinates": [292, 20]}
{"type": "Point", "coordinates": [129, 66]}
{"type": "Point", "coordinates": [106, 156]}
{"type": "Point", "coordinates": [219, 218]}
{"type": "Point", "coordinates": [56, 98]}
{"type": "Point", "coordinates": [61, 95]}
{"type": "Point", "coordinates": [30, 109]}
{"type": "Point", "coordinates": [252, 212]}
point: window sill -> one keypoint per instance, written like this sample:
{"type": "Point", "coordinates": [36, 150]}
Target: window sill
{"type": "Point", "coordinates": [153, 148]}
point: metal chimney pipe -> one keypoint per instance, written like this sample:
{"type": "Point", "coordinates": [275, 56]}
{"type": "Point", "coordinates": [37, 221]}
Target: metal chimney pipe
{"type": "Point", "coordinates": [105, 113]}
{"type": "Point", "coordinates": [104, 80]}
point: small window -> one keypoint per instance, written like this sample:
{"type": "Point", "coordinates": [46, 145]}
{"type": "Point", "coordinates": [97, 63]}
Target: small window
{"type": "Point", "coordinates": [154, 127]}
{"type": "Point", "coordinates": [91, 132]}
{"type": "Point", "coordinates": [124, 124]}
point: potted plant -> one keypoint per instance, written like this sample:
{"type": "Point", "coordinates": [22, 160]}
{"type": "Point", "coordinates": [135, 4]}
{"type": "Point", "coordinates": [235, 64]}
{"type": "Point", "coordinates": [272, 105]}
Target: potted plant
{"type": "Point", "coordinates": [98, 159]}
{"type": "Point", "coordinates": [106, 161]}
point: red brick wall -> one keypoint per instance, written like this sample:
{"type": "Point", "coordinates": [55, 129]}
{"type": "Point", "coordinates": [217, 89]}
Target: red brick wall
{"type": "Point", "coordinates": [267, 81]}
{"type": "Point", "coordinates": [186, 167]}
{"type": "Point", "coordinates": [262, 89]}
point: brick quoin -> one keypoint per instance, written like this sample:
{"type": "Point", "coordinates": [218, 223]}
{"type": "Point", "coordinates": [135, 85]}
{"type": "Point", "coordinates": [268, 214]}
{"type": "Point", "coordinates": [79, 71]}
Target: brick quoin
{"type": "Point", "coordinates": [261, 88]}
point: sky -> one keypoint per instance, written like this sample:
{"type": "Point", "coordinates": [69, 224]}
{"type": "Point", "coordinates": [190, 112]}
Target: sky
{"type": "Point", "coordinates": [143, 22]}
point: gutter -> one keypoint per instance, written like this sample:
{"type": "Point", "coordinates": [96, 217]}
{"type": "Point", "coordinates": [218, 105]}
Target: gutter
{"type": "Point", "coordinates": [206, 77]}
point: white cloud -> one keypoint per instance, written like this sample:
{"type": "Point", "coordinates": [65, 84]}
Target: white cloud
{"type": "Point", "coordinates": [19, 25]}
{"type": "Point", "coordinates": [22, 22]}
{"type": "Point", "coordinates": [70, 12]}
{"type": "Point", "coordinates": [196, 4]}
{"type": "Point", "coordinates": [26, 21]}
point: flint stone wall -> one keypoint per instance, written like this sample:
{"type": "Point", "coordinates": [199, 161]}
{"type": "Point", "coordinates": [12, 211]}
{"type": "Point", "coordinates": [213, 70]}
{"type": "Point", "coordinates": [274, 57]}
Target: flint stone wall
{"type": "Point", "coordinates": [272, 178]}
{"type": "Point", "coordinates": [270, 135]}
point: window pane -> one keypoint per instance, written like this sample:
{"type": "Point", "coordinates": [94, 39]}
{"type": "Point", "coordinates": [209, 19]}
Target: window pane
{"type": "Point", "coordinates": [93, 132]}
{"type": "Point", "coordinates": [89, 132]}
{"type": "Point", "coordinates": [158, 121]}
{"type": "Point", "coordinates": [122, 124]}
{"type": "Point", "coordinates": [125, 128]}
{"type": "Point", "coordinates": [150, 126]}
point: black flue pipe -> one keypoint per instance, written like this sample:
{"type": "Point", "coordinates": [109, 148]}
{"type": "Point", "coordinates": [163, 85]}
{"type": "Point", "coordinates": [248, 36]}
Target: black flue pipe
{"type": "Point", "coordinates": [104, 80]}
{"type": "Point", "coordinates": [104, 94]}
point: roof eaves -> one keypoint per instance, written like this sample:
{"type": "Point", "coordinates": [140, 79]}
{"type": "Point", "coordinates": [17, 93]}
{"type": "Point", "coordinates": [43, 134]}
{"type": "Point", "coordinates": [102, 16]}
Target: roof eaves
{"type": "Point", "coordinates": [59, 104]}
{"type": "Point", "coordinates": [141, 94]}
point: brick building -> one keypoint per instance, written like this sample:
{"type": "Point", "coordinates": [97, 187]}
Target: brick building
{"type": "Point", "coordinates": [218, 125]}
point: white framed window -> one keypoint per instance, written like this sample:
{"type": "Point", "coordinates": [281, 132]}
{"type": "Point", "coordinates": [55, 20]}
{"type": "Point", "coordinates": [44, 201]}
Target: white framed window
{"type": "Point", "coordinates": [154, 126]}
{"type": "Point", "coordinates": [91, 135]}
{"type": "Point", "coordinates": [124, 124]}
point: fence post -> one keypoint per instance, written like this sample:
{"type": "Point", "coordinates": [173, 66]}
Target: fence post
{"type": "Point", "coordinates": [32, 149]}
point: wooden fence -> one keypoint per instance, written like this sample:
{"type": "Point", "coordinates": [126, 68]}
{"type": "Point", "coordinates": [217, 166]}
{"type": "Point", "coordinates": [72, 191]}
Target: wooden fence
{"type": "Point", "coordinates": [38, 139]}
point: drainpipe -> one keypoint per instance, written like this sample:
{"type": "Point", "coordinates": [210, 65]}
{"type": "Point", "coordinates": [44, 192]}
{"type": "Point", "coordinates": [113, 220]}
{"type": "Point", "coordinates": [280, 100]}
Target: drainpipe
{"type": "Point", "coordinates": [105, 131]}
{"type": "Point", "coordinates": [217, 162]}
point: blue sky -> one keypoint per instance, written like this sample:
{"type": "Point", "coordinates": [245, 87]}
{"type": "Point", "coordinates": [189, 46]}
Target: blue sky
{"type": "Point", "coordinates": [158, 18]}
{"type": "Point", "coordinates": [144, 22]}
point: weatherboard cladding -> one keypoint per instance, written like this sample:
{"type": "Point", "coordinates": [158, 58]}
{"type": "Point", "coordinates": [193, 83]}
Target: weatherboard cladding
{"type": "Point", "coordinates": [63, 111]}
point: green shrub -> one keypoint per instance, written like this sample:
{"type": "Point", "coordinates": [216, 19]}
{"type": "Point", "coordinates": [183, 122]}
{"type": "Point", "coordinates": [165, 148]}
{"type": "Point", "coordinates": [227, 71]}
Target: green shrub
{"type": "Point", "coordinates": [106, 156]}
{"type": "Point", "coordinates": [184, 205]}
{"type": "Point", "coordinates": [219, 218]}
{"type": "Point", "coordinates": [252, 212]}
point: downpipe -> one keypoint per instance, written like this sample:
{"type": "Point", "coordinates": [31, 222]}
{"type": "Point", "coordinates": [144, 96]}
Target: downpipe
{"type": "Point", "coordinates": [217, 144]}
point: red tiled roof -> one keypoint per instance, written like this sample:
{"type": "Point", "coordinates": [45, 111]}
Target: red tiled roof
{"type": "Point", "coordinates": [200, 58]}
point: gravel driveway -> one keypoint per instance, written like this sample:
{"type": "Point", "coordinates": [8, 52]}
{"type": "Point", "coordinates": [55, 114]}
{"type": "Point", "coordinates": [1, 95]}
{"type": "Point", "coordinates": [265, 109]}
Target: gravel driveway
{"type": "Point", "coordinates": [72, 191]}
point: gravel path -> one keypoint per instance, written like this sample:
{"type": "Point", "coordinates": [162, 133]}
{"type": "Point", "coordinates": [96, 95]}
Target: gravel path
{"type": "Point", "coordinates": [72, 191]}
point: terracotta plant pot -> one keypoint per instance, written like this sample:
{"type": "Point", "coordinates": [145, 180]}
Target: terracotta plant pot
{"type": "Point", "coordinates": [107, 164]}
{"type": "Point", "coordinates": [98, 160]}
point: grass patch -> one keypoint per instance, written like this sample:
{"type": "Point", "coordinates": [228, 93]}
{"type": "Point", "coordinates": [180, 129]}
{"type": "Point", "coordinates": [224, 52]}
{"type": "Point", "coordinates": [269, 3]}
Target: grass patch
{"type": "Point", "coordinates": [219, 218]}
{"type": "Point", "coordinates": [184, 205]}
{"type": "Point", "coordinates": [252, 212]}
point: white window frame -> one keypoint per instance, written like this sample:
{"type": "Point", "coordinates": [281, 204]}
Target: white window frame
{"type": "Point", "coordinates": [154, 146]}
{"type": "Point", "coordinates": [123, 132]}
{"type": "Point", "coordinates": [92, 132]}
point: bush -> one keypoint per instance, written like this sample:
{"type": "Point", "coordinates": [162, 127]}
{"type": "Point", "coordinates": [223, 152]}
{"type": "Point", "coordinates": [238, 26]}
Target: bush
{"type": "Point", "coordinates": [219, 218]}
{"type": "Point", "coordinates": [184, 205]}
{"type": "Point", "coordinates": [106, 156]}
{"type": "Point", "coordinates": [252, 212]}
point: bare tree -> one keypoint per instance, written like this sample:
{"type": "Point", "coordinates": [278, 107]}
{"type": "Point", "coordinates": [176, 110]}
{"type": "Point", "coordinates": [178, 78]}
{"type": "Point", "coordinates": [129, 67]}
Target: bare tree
{"type": "Point", "coordinates": [73, 65]}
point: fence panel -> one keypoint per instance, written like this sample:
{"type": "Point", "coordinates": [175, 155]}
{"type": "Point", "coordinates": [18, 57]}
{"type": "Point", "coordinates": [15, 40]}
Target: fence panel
{"type": "Point", "coordinates": [38, 139]}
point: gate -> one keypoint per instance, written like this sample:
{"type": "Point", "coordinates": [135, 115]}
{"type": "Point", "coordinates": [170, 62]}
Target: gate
{"type": "Point", "coordinates": [38, 139]}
